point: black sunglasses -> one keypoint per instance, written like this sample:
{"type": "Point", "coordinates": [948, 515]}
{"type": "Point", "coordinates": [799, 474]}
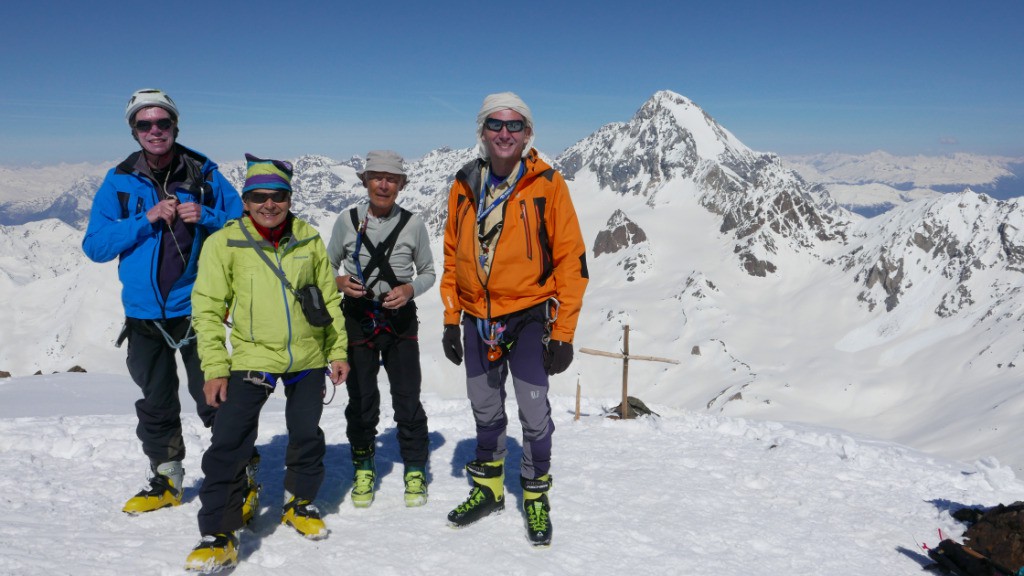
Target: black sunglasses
{"type": "Point", "coordinates": [277, 196]}
{"type": "Point", "coordinates": [147, 125]}
{"type": "Point", "coordinates": [495, 125]}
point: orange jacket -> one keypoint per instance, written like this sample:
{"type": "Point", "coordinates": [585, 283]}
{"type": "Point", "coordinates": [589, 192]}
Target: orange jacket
{"type": "Point", "coordinates": [540, 253]}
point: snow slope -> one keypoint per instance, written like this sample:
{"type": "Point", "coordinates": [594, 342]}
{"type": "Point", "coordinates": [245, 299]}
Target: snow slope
{"type": "Point", "coordinates": [683, 493]}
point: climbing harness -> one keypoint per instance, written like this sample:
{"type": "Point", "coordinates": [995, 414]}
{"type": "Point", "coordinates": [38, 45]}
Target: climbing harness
{"type": "Point", "coordinates": [379, 255]}
{"type": "Point", "coordinates": [551, 307]}
{"type": "Point", "coordinates": [360, 232]}
{"type": "Point", "coordinates": [269, 380]}
{"type": "Point", "coordinates": [334, 388]}
{"type": "Point", "coordinates": [376, 320]}
{"type": "Point", "coordinates": [189, 336]}
{"type": "Point", "coordinates": [495, 333]}
{"type": "Point", "coordinates": [492, 332]}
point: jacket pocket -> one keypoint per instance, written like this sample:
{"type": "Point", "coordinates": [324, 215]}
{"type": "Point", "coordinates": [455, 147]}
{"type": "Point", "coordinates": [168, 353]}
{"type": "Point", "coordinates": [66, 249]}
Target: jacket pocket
{"type": "Point", "coordinates": [243, 287]}
{"type": "Point", "coordinates": [526, 229]}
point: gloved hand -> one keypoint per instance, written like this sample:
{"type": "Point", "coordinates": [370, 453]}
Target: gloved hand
{"type": "Point", "coordinates": [557, 357]}
{"type": "Point", "coordinates": [451, 343]}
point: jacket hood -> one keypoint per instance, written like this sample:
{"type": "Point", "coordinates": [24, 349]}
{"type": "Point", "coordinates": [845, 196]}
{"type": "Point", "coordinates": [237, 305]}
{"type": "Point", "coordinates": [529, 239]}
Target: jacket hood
{"type": "Point", "coordinates": [136, 163]}
{"type": "Point", "coordinates": [470, 173]}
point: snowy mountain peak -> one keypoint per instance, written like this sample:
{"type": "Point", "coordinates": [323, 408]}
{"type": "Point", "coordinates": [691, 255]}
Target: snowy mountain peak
{"type": "Point", "coordinates": [710, 138]}
{"type": "Point", "coordinates": [673, 152]}
{"type": "Point", "coordinates": [669, 137]}
{"type": "Point", "coordinates": [950, 255]}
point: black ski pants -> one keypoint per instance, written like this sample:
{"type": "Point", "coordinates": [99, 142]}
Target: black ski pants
{"type": "Point", "coordinates": [380, 337]}
{"type": "Point", "coordinates": [152, 365]}
{"type": "Point", "coordinates": [234, 437]}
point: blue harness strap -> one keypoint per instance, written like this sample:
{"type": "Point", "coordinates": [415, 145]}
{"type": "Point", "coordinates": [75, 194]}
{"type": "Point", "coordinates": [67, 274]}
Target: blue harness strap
{"type": "Point", "coordinates": [269, 380]}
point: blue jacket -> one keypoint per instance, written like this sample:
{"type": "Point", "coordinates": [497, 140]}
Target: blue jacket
{"type": "Point", "coordinates": [118, 228]}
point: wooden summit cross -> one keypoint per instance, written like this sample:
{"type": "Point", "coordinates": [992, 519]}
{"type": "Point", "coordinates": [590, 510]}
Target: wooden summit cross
{"type": "Point", "coordinates": [625, 366]}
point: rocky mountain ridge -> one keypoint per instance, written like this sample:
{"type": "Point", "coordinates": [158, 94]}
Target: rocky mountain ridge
{"type": "Point", "coordinates": [770, 293]}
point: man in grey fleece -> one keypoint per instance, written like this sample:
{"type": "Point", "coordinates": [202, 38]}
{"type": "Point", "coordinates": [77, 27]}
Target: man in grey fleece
{"type": "Point", "coordinates": [382, 254]}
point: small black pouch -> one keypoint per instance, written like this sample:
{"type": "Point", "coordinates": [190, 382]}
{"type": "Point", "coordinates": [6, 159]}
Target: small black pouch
{"type": "Point", "coordinates": [313, 305]}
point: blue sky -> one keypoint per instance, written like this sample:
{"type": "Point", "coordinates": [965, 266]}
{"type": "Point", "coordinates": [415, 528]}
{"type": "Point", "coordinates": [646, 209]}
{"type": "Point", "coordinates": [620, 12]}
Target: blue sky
{"type": "Point", "coordinates": [281, 79]}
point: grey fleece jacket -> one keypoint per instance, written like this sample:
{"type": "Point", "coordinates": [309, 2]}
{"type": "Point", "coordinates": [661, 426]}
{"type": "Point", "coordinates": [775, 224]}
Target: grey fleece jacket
{"type": "Point", "coordinates": [411, 259]}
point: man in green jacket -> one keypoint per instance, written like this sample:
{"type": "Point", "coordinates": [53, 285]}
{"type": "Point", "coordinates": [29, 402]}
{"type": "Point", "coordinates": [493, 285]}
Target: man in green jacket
{"type": "Point", "coordinates": [253, 270]}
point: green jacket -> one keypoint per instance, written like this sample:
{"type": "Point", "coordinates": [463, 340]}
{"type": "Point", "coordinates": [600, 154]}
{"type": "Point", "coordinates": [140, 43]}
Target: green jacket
{"type": "Point", "coordinates": [269, 332]}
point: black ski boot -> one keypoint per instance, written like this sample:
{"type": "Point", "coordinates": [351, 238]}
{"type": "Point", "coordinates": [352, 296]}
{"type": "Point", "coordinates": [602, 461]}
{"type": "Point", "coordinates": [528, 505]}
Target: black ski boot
{"type": "Point", "coordinates": [485, 498]}
{"type": "Point", "coordinates": [538, 510]}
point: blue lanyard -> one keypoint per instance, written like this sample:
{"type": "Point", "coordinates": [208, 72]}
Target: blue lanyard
{"type": "Point", "coordinates": [481, 211]}
{"type": "Point", "coordinates": [359, 244]}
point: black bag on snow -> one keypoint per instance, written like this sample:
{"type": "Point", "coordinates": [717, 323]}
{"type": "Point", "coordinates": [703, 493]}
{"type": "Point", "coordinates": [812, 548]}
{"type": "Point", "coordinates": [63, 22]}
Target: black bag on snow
{"type": "Point", "coordinates": [954, 558]}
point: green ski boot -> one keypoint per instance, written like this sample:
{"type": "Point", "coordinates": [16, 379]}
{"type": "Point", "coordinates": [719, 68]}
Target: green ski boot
{"type": "Point", "coordinates": [364, 479]}
{"type": "Point", "coordinates": [415, 486]}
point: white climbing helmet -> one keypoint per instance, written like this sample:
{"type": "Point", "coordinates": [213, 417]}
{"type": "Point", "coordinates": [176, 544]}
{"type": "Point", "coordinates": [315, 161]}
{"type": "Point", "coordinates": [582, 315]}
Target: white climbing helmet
{"type": "Point", "coordinates": [149, 97]}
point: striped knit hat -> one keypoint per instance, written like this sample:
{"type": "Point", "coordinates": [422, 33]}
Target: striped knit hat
{"type": "Point", "coordinates": [263, 174]}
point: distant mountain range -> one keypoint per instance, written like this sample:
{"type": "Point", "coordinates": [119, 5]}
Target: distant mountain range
{"type": "Point", "coordinates": [870, 184]}
{"type": "Point", "coordinates": [867, 184]}
{"type": "Point", "coordinates": [754, 271]}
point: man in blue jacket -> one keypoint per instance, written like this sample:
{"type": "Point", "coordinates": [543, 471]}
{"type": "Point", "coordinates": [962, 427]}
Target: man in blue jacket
{"type": "Point", "coordinates": [153, 212]}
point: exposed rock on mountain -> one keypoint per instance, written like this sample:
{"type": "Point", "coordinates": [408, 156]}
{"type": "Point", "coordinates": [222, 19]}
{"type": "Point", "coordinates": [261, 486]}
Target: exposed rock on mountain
{"type": "Point", "coordinates": [620, 233]}
{"type": "Point", "coordinates": [670, 139]}
{"type": "Point", "coordinates": [949, 252]}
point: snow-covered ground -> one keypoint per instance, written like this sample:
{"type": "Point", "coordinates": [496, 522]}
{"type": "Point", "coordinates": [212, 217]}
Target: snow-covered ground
{"type": "Point", "coordinates": [807, 429]}
{"type": "Point", "coordinates": [683, 493]}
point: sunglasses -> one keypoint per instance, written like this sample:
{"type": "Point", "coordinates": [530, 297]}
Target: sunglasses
{"type": "Point", "coordinates": [147, 125]}
{"type": "Point", "coordinates": [278, 196]}
{"type": "Point", "coordinates": [495, 125]}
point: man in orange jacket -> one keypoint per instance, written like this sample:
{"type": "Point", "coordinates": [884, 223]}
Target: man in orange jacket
{"type": "Point", "coordinates": [515, 271]}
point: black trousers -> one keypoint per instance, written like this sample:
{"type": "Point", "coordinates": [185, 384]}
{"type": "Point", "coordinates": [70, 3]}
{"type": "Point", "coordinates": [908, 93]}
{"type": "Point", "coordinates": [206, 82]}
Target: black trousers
{"type": "Point", "coordinates": [234, 437]}
{"type": "Point", "coordinates": [152, 365]}
{"type": "Point", "coordinates": [380, 337]}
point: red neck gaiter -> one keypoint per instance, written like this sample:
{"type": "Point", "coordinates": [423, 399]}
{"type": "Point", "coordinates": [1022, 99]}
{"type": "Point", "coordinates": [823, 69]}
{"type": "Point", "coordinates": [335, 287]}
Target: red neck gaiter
{"type": "Point", "coordinates": [273, 235]}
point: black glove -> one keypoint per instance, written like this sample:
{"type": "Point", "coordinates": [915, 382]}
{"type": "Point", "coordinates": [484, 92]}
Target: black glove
{"type": "Point", "coordinates": [451, 343]}
{"type": "Point", "coordinates": [557, 357]}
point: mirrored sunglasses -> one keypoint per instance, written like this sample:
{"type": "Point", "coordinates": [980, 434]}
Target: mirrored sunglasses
{"type": "Point", "coordinates": [277, 196]}
{"type": "Point", "coordinates": [147, 125]}
{"type": "Point", "coordinates": [495, 125]}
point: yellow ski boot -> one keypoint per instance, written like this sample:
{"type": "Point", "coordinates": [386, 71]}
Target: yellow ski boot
{"type": "Point", "coordinates": [164, 490]}
{"type": "Point", "coordinates": [214, 553]}
{"type": "Point", "coordinates": [304, 516]}
{"type": "Point", "coordinates": [251, 503]}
